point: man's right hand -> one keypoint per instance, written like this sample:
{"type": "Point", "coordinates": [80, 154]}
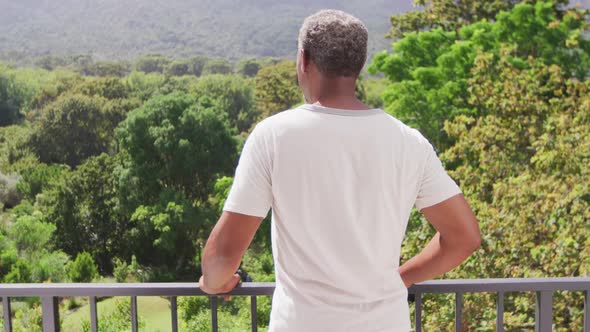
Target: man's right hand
{"type": "Point", "coordinates": [456, 239]}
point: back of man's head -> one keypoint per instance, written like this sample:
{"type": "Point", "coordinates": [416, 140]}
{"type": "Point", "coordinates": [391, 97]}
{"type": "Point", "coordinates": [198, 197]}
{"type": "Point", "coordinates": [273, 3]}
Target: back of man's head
{"type": "Point", "coordinates": [336, 42]}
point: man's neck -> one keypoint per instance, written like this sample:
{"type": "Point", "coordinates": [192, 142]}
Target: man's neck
{"type": "Point", "coordinates": [337, 92]}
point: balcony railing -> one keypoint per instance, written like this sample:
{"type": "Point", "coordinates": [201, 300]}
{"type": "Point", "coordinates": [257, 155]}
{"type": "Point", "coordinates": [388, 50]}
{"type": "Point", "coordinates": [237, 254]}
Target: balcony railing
{"type": "Point", "coordinates": [50, 294]}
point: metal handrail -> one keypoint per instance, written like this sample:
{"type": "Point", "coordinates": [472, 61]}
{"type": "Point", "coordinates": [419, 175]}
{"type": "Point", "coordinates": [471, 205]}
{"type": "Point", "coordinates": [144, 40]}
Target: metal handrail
{"type": "Point", "coordinates": [50, 293]}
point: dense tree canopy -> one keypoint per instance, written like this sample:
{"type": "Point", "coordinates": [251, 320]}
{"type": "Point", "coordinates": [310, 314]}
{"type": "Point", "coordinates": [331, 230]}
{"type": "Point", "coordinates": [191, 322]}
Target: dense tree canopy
{"type": "Point", "coordinates": [429, 70]}
{"type": "Point", "coordinates": [452, 15]}
{"type": "Point", "coordinates": [71, 129]}
{"type": "Point", "coordinates": [277, 89]}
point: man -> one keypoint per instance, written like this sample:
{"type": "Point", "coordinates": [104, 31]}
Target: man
{"type": "Point", "coordinates": [341, 179]}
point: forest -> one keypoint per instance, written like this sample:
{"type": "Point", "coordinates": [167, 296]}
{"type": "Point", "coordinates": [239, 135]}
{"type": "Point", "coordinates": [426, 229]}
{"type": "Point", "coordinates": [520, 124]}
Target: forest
{"type": "Point", "coordinates": [116, 171]}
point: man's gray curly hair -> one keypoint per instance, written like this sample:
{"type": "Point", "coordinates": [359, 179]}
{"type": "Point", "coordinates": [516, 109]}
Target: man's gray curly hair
{"type": "Point", "coordinates": [335, 41]}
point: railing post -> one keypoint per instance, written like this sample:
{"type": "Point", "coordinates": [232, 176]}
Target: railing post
{"type": "Point", "coordinates": [587, 311]}
{"type": "Point", "coordinates": [458, 311]}
{"type": "Point", "coordinates": [50, 308]}
{"type": "Point", "coordinates": [544, 311]}
{"type": "Point", "coordinates": [174, 313]}
{"type": "Point", "coordinates": [500, 312]}
{"type": "Point", "coordinates": [93, 314]}
{"type": "Point", "coordinates": [134, 320]}
{"type": "Point", "coordinates": [214, 326]}
{"type": "Point", "coordinates": [254, 316]}
{"type": "Point", "coordinates": [418, 311]}
{"type": "Point", "coordinates": [6, 311]}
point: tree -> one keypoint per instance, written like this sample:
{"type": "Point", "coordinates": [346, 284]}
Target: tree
{"type": "Point", "coordinates": [175, 148]}
{"type": "Point", "coordinates": [82, 269]}
{"type": "Point", "coordinates": [105, 87]}
{"type": "Point", "coordinates": [231, 94]}
{"type": "Point", "coordinates": [217, 66]}
{"type": "Point", "coordinates": [9, 195]}
{"type": "Point", "coordinates": [196, 65]}
{"type": "Point", "coordinates": [429, 71]}
{"type": "Point", "coordinates": [10, 99]}
{"type": "Point", "coordinates": [249, 67]}
{"type": "Point", "coordinates": [30, 234]}
{"type": "Point", "coordinates": [71, 129]}
{"type": "Point", "coordinates": [178, 68]}
{"type": "Point", "coordinates": [152, 63]}
{"type": "Point", "coordinates": [36, 179]}
{"type": "Point", "coordinates": [85, 207]}
{"type": "Point", "coordinates": [276, 88]}
{"type": "Point", "coordinates": [106, 69]}
{"type": "Point", "coordinates": [451, 15]}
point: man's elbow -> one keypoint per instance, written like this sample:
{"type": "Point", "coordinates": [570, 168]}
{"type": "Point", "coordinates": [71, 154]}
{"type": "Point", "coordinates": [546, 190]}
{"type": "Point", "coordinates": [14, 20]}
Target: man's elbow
{"type": "Point", "coordinates": [473, 242]}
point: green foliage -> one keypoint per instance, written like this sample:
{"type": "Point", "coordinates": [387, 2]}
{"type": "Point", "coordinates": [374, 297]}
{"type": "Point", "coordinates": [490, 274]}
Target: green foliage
{"type": "Point", "coordinates": [173, 142]}
{"type": "Point", "coordinates": [231, 94]}
{"type": "Point", "coordinates": [9, 195]}
{"type": "Point", "coordinates": [105, 69]}
{"type": "Point", "coordinates": [39, 178]}
{"type": "Point", "coordinates": [152, 63]}
{"type": "Point", "coordinates": [71, 129]}
{"type": "Point", "coordinates": [117, 321]}
{"type": "Point", "coordinates": [144, 86]}
{"type": "Point", "coordinates": [277, 89]}
{"type": "Point", "coordinates": [49, 266]}
{"type": "Point", "coordinates": [8, 255]}
{"type": "Point", "coordinates": [429, 71]}
{"type": "Point", "coordinates": [30, 234]}
{"type": "Point", "coordinates": [178, 67]}
{"type": "Point", "coordinates": [28, 319]}
{"type": "Point", "coordinates": [452, 15]}
{"type": "Point", "coordinates": [15, 156]}
{"type": "Point", "coordinates": [105, 87]}
{"type": "Point", "coordinates": [374, 88]}
{"type": "Point", "coordinates": [522, 166]}
{"type": "Point", "coordinates": [10, 101]}
{"type": "Point", "coordinates": [217, 66]}
{"type": "Point", "coordinates": [175, 148]}
{"type": "Point", "coordinates": [82, 269]}
{"type": "Point", "coordinates": [84, 206]}
{"type": "Point", "coordinates": [20, 272]}
{"type": "Point", "coordinates": [249, 67]}
{"type": "Point", "coordinates": [120, 270]}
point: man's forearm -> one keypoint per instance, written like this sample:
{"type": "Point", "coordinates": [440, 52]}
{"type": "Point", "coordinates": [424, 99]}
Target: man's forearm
{"type": "Point", "coordinates": [218, 271]}
{"type": "Point", "coordinates": [438, 257]}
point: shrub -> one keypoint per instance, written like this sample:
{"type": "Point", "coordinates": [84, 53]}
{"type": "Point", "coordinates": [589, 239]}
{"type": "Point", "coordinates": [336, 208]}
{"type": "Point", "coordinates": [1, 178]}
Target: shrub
{"type": "Point", "coordinates": [120, 270]}
{"type": "Point", "coordinates": [82, 269]}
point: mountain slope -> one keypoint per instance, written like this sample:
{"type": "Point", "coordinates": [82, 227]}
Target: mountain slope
{"type": "Point", "coordinates": [124, 29]}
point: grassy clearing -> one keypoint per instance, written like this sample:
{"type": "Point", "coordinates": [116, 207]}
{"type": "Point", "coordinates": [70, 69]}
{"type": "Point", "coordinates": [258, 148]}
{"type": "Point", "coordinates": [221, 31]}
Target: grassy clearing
{"type": "Point", "coordinates": [154, 310]}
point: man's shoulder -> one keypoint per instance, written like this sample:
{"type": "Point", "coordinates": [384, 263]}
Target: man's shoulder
{"type": "Point", "coordinates": [406, 131]}
{"type": "Point", "coordinates": [278, 120]}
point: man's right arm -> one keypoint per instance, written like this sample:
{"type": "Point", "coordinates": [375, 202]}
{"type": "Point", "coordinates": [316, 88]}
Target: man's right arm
{"type": "Point", "coordinates": [456, 238]}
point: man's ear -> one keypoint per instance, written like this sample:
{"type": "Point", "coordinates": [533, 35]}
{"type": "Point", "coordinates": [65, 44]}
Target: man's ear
{"type": "Point", "coordinates": [304, 63]}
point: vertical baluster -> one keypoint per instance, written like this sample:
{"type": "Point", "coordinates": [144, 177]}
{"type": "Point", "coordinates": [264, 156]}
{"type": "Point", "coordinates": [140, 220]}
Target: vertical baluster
{"type": "Point", "coordinates": [134, 322]}
{"type": "Point", "coordinates": [50, 309]}
{"type": "Point", "coordinates": [214, 326]}
{"type": "Point", "coordinates": [93, 314]}
{"type": "Point", "coordinates": [6, 309]}
{"type": "Point", "coordinates": [253, 313]}
{"type": "Point", "coordinates": [500, 312]}
{"type": "Point", "coordinates": [174, 313]}
{"type": "Point", "coordinates": [418, 311]}
{"type": "Point", "coordinates": [458, 311]}
{"type": "Point", "coordinates": [586, 311]}
{"type": "Point", "coordinates": [544, 311]}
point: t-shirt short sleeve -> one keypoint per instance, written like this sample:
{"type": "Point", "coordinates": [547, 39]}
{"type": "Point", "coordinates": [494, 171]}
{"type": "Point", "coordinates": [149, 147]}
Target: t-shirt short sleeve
{"type": "Point", "coordinates": [251, 192]}
{"type": "Point", "coordinates": [435, 185]}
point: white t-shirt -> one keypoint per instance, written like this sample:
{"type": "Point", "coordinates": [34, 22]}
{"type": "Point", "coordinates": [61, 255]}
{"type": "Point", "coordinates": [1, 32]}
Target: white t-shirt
{"type": "Point", "coordinates": [341, 184]}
